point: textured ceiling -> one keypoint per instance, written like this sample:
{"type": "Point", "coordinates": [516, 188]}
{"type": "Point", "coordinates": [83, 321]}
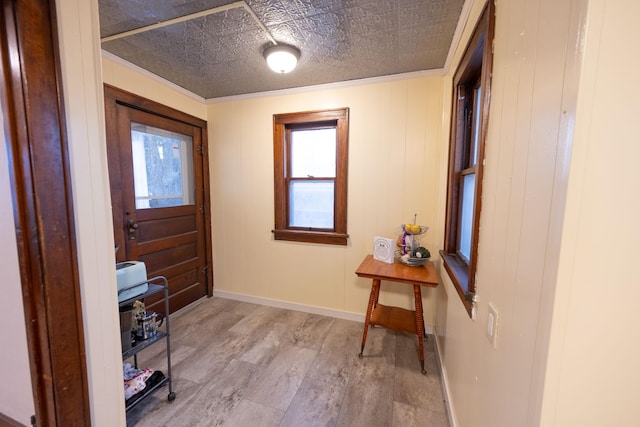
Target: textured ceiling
{"type": "Point", "coordinates": [220, 54]}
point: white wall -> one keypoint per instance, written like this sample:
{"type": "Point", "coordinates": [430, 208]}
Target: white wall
{"type": "Point", "coordinates": [83, 97]}
{"type": "Point", "coordinates": [395, 148]}
{"type": "Point", "coordinates": [16, 398]}
{"type": "Point", "coordinates": [533, 97]}
{"type": "Point", "coordinates": [593, 378]}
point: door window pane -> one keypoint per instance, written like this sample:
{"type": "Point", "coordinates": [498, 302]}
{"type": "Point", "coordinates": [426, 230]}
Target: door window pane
{"type": "Point", "coordinates": [466, 214]}
{"type": "Point", "coordinates": [311, 204]}
{"type": "Point", "coordinates": [313, 153]}
{"type": "Point", "coordinates": [162, 167]}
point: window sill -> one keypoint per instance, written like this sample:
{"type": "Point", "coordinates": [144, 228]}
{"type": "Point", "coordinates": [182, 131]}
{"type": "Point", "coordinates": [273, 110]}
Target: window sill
{"type": "Point", "coordinates": [460, 279]}
{"type": "Point", "coordinates": [311, 237]}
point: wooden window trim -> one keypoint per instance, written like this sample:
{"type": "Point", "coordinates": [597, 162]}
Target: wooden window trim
{"type": "Point", "coordinates": [478, 55]}
{"type": "Point", "coordinates": [281, 125]}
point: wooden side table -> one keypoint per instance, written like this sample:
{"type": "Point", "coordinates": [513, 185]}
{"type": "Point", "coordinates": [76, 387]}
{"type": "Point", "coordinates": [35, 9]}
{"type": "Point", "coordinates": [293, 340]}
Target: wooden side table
{"type": "Point", "coordinates": [396, 318]}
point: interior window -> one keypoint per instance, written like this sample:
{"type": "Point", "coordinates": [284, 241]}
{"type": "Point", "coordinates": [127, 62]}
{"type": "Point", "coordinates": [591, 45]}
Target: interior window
{"type": "Point", "coordinates": [472, 86]}
{"type": "Point", "coordinates": [310, 171]}
{"type": "Point", "coordinates": [162, 167]}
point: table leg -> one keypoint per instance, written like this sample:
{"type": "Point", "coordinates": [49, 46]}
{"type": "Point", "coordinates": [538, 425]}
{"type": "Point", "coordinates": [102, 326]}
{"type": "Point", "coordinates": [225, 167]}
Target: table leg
{"type": "Point", "coordinates": [424, 330]}
{"type": "Point", "coordinates": [419, 325]}
{"type": "Point", "coordinates": [373, 300]}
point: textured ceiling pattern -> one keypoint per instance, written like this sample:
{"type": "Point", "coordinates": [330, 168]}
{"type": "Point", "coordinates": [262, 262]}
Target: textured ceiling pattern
{"type": "Point", "coordinates": [220, 54]}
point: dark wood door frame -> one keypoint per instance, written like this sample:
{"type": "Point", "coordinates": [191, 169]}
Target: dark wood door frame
{"type": "Point", "coordinates": [31, 97]}
{"type": "Point", "coordinates": [112, 98]}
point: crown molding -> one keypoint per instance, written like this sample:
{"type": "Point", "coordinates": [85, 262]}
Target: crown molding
{"type": "Point", "coordinates": [150, 75]}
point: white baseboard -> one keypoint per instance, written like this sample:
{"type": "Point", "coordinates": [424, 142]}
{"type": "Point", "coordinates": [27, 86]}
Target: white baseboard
{"type": "Point", "coordinates": [338, 314]}
{"type": "Point", "coordinates": [290, 306]}
{"type": "Point", "coordinates": [445, 384]}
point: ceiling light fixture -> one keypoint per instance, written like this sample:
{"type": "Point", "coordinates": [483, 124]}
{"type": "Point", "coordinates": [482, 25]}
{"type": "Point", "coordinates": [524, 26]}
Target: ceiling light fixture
{"type": "Point", "coordinates": [282, 58]}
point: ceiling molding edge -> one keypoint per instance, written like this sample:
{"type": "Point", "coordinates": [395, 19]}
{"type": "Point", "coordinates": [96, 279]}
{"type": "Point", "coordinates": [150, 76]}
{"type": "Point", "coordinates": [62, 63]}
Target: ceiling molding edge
{"type": "Point", "coordinates": [439, 72]}
{"type": "Point", "coordinates": [152, 76]}
{"type": "Point", "coordinates": [280, 92]}
{"type": "Point", "coordinates": [457, 35]}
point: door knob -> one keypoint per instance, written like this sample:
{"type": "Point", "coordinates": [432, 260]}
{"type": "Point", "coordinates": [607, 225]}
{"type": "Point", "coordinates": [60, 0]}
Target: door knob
{"type": "Point", "coordinates": [132, 226]}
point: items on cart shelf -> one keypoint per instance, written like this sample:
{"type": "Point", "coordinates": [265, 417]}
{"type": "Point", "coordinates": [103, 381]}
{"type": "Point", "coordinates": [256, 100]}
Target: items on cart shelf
{"type": "Point", "coordinates": [137, 381]}
{"type": "Point", "coordinates": [138, 310]}
{"type": "Point", "coordinates": [134, 379]}
{"type": "Point", "coordinates": [143, 324]}
{"type": "Point", "coordinates": [147, 324]}
{"type": "Point", "coordinates": [126, 319]}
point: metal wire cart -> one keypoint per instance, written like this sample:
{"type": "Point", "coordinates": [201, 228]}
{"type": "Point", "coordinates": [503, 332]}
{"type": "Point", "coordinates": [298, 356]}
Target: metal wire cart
{"type": "Point", "coordinates": [132, 345]}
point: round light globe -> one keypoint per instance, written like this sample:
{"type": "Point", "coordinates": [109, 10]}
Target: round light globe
{"type": "Point", "coordinates": [281, 58]}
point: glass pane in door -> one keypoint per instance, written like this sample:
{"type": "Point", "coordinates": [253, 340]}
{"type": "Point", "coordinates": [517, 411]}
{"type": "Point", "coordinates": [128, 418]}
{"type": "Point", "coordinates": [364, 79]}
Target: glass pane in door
{"type": "Point", "coordinates": [162, 167]}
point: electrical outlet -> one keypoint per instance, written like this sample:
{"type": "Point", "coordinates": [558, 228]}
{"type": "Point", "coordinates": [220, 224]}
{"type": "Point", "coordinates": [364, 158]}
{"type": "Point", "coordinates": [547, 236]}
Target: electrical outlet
{"type": "Point", "coordinates": [492, 325]}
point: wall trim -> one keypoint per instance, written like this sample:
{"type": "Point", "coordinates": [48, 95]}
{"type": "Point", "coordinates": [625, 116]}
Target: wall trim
{"type": "Point", "coordinates": [436, 72]}
{"type": "Point", "coordinates": [457, 35]}
{"type": "Point", "coordinates": [40, 178]}
{"type": "Point", "coordinates": [346, 315]}
{"type": "Point", "coordinates": [349, 83]}
{"type": "Point", "coordinates": [338, 314]}
{"type": "Point", "coordinates": [150, 75]}
{"type": "Point", "coordinates": [444, 382]}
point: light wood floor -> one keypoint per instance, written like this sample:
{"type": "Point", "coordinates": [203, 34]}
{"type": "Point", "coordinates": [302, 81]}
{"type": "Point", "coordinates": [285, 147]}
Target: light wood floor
{"type": "Point", "coordinates": [241, 364]}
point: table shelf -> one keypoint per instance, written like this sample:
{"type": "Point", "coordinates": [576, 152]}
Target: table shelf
{"type": "Point", "coordinates": [396, 318]}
